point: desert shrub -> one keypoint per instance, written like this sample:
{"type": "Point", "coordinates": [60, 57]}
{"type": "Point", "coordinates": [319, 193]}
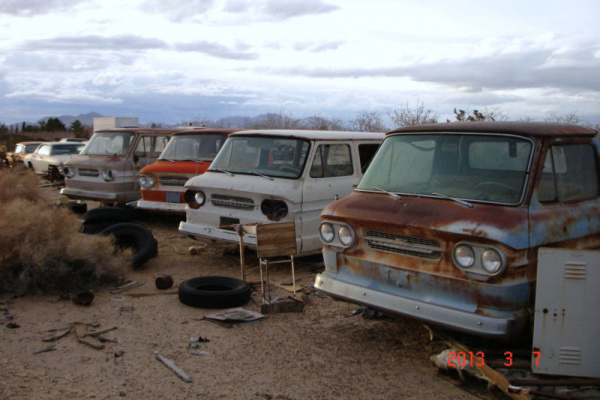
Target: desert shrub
{"type": "Point", "coordinates": [41, 248]}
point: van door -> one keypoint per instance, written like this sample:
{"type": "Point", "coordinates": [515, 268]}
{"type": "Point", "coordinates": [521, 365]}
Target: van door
{"type": "Point", "coordinates": [332, 175]}
{"type": "Point", "coordinates": [148, 149]}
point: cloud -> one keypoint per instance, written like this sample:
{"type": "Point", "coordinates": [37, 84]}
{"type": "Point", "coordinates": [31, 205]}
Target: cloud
{"type": "Point", "coordinates": [94, 42]}
{"type": "Point", "coordinates": [534, 68]}
{"type": "Point", "coordinates": [318, 47]}
{"type": "Point", "coordinates": [69, 96]}
{"type": "Point", "coordinates": [28, 8]}
{"type": "Point", "coordinates": [218, 50]}
{"type": "Point", "coordinates": [248, 10]}
{"type": "Point", "coordinates": [284, 9]}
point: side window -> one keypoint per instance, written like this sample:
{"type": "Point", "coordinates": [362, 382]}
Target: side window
{"type": "Point", "coordinates": [366, 152]}
{"type": "Point", "coordinates": [332, 160]}
{"type": "Point", "coordinates": [143, 147]}
{"type": "Point", "coordinates": [44, 151]}
{"type": "Point", "coordinates": [570, 174]}
{"type": "Point", "coordinates": [161, 143]}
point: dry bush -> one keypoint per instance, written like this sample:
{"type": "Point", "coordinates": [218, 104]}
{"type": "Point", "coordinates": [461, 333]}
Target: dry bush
{"type": "Point", "coordinates": [17, 184]}
{"type": "Point", "coordinates": [41, 248]}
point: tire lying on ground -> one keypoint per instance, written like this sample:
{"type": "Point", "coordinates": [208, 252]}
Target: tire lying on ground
{"type": "Point", "coordinates": [98, 219]}
{"type": "Point", "coordinates": [214, 292]}
{"type": "Point", "coordinates": [136, 237]}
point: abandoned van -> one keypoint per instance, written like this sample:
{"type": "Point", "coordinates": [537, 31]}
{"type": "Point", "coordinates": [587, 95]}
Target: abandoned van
{"type": "Point", "coordinates": [266, 176]}
{"type": "Point", "coordinates": [189, 153]}
{"type": "Point", "coordinates": [107, 168]}
{"type": "Point", "coordinates": [446, 223]}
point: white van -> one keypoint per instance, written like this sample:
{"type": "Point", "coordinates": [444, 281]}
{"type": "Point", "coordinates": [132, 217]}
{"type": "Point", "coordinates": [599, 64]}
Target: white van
{"type": "Point", "coordinates": [266, 176]}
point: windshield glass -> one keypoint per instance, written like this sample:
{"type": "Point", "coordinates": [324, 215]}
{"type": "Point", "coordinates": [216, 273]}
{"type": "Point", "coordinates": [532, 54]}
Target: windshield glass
{"type": "Point", "coordinates": [270, 156]}
{"type": "Point", "coordinates": [201, 147]}
{"type": "Point", "coordinates": [471, 167]}
{"type": "Point", "coordinates": [108, 143]}
{"type": "Point", "coordinates": [74, 148]}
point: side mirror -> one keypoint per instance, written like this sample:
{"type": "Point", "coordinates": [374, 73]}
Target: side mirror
{"type": "Point", "coordinates": [135, 159]}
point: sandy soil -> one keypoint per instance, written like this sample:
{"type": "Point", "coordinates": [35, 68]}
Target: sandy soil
{"type": "Point", "coordinates": [321, 353]}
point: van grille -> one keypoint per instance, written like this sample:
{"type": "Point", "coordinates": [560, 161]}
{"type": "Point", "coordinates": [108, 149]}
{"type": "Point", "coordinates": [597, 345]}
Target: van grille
{"type": "Point", "coordinates": [240, 203]}
{"type": "Point", "coordinates": [88, 172]}
{"type": "Point", "coordinates": [173, 181]}
{"type": "Point", "coordinates": [399, 244]}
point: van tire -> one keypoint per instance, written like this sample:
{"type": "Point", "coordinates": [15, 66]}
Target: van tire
{"type": "Point", "coordinates": [134, 236]}
{"type": "Point", "coordinates": [214, 292]}
{"type": "Point", "coordinates": [102, 214]}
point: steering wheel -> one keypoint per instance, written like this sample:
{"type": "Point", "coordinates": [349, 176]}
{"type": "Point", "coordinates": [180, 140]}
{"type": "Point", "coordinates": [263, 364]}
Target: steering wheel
{"type": "Point", "coordinates": [510, 189]}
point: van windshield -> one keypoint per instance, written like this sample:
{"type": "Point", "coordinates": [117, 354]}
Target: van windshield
{"type": "Point", "coordinates": [109, 143]}
{"type": "Point", "coordinates": [263, 155]}
{"type": "Point", "coordinates": [201, 147]}
{"type": "Point", "coordinates": [471, 167]}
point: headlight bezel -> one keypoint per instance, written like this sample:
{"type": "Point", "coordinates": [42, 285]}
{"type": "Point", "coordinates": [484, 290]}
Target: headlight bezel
{"type": "Point", "coordinates": [336, 240]}
{"type": "Point", "coordinates": [147, 181]}
{"type": "Point", "coordinates": [68, 172]}
{"type": "Point", "coordinates": [330, 234]}
{"type": "Point", "coordinates": [481, 252]}
{"type": "Point", "coordinates": [107, 175]}
{"type": "Point", "coordinates": [190, 198]}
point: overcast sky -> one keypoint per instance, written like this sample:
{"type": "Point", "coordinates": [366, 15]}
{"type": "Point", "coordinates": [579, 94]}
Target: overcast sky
{"type": "Point", "coordinates": [181, 60]}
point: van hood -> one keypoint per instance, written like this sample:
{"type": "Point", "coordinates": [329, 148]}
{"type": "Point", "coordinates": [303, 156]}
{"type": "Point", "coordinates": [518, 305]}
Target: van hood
{"type": "Point", "coordinates": [99, 162]}
{"type": "Point", "coordinates": [177, 167]}
{"type": "Point", "coordinates": [290, 189]}
{"type": "Point", "coordinates": [507, 225]}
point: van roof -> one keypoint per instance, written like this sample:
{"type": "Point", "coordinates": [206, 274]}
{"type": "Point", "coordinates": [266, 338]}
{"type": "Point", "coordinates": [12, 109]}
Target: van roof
{"type": "Point", "coordinates": [512, 127]}
{"type": "Point", "coordinates": [313, 134]}
{"type": "Point", "coordinates": [140, 130]}
{"type": "Point", "coordinates": [205, 131]}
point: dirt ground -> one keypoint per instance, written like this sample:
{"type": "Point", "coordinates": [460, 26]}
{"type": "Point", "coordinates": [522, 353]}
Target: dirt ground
{"type": "Point", "coordinates": [324, 352]}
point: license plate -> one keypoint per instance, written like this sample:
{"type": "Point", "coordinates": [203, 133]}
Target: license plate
{"type": "Point", "coordinates": [173, 197]}
{"type": "Point", "coordinates": [228, 221]}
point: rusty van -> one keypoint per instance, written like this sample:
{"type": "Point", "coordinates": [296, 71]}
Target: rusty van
{"type": "Point", "coordinates": [268, 176]}
{"type": "Point", "coordinates": [446, 223]}
{"type": "Point", "coordinates": [107, 169]}
{"type": "Point", "coordinates": [188, 153]}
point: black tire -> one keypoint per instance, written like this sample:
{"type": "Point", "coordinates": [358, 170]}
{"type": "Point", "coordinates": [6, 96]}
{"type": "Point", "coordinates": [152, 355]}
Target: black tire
{"type": "Point", "coordinates": [134, 236]}
{"type": "Point", "coordinates": [96, 226]}
{"type": "Point", "coordinates": [214, 292]}
{"type": "Point", "coordinates": [102, 214]}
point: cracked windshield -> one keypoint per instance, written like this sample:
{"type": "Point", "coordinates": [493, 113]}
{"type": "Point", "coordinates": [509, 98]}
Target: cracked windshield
{"type": "Point", "coordinates": [264, 156]}
{"type": "Point", "coordinates": [473, 167]}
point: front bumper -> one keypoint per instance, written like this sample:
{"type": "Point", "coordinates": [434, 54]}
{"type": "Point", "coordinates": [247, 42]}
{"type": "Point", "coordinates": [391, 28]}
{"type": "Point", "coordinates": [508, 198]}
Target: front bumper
{"type": "Point", "coordinates": [80, 194]}
{"type": "Point", "coordinates": [161, 206]}
{"type": "Point", "coordinates": [210, 232]}
{"type": "Point", "coordinates": [476, 324]}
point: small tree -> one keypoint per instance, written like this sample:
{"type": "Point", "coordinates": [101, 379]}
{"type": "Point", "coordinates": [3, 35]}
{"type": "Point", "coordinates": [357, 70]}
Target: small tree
{"type": "Point", "coordinates": [407, 116]}
{"type": "Point", "coordinates": [368, 122]}
{"type": "Point", "coordinates": [53, 125]}
{"type": "Point", "coordinates": [569, 118]}
{"type": "Point", "coordinates": [78, 129]}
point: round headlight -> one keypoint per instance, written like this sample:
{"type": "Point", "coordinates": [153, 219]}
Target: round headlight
{"type": "Point", "coordinates": [464, 256]}
{"type": "Point", "coordinates": [491, 261]}
{"type": "Point", "coordinates": [345, 235]}
{"type": "Point", "coordinates": [146, 181]}
{"type": "Point", "coordinates": [69, 172]}
{"type": "Point", "coordinates": [106, 174]}
{"type": "Point", "coordinates": [200, 198]}
{"type": "Point", "coordinates": [327, 233]}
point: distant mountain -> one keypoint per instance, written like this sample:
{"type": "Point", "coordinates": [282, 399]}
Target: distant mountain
{"type": "Point", "coordinates": [85, 119]}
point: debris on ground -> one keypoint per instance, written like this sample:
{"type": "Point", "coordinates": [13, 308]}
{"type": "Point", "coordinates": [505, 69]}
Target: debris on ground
{"type": "Point", "coordinates": [164, 282]}
{"type": "Point", "coordinates": [288, 304]}
{"type": "Point", "coordinates": [126, 286]}
{"type": "Point", "coordinates": [233, 317]}
{"type": "Point", "coordinates": [173, 367]}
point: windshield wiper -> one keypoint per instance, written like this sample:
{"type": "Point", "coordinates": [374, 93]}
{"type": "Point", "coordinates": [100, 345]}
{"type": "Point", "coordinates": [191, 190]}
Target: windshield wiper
{"type": "Point", "coordinates": [459, 201]}
{"type": "Point", "coordinates": [394, 195]}
{"type": "Point", "coordinates": [222, 170]}
{"type": "Point", "coordinates": [257, 174]}
{"type": "Point", "coordinates": [166, 159]}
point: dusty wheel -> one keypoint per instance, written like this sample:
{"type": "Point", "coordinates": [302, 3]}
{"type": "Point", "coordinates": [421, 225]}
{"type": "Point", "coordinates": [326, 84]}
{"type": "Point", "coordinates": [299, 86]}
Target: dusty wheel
{"type": "Point", "coordinates": [136, 237]}
{"type": "Point", "coordinates": [214, 292]}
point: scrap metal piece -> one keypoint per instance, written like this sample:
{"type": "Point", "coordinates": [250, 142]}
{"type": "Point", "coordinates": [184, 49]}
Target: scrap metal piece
{"type": "Point", "coordinates": [173, 367]}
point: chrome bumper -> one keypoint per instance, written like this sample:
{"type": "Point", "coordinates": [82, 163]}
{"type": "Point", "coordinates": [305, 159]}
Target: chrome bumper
{"type": "Point", "coordinates": [178, 208]}
{"type": "Point", "coordinates": [476, 324]}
